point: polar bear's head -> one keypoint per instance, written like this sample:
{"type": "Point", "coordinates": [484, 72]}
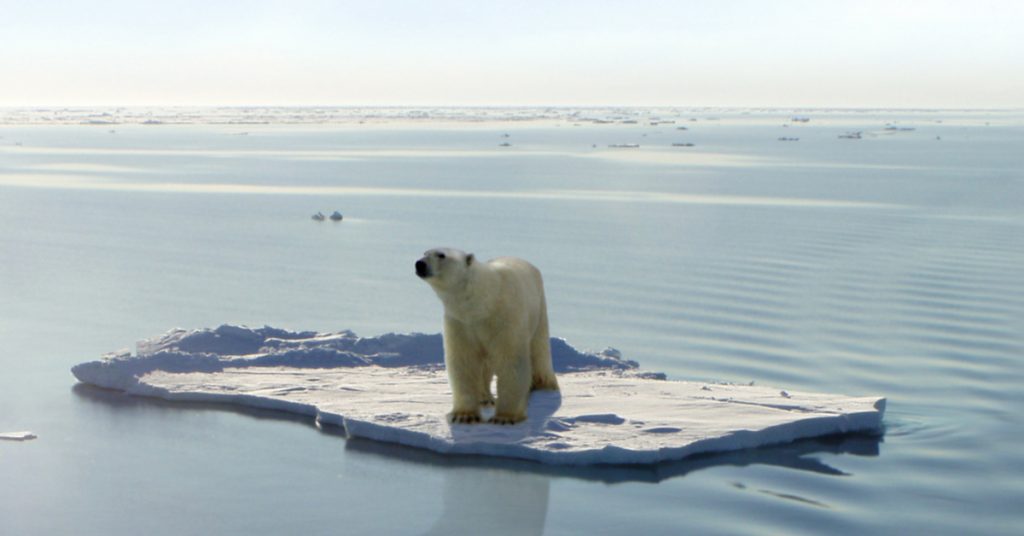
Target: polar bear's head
{"type": "Point", "coordinates": [443, 268]}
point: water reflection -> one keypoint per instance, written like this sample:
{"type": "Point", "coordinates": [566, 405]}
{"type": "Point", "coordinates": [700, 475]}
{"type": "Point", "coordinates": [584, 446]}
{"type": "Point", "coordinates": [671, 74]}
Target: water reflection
{"type": "Point", "coordinates": [491, 495]}
{"type": "Point", "coordinates": [118, 400]}
{"type": "Point", "coordinates": [492, 501]}
{"type": "Point", "coordinates": [73, 181]}
{"type": "Point", "coordinates": [797, 455]}
{"type": "Point", "coordinates": [486, 495]}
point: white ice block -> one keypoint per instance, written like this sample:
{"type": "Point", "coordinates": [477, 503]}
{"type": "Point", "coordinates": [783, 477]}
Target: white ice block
{"type": "Point", "coordinates": [607, 412]}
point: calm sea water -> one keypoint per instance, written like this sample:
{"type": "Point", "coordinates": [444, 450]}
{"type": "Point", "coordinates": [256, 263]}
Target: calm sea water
{"type": "Point", "coordinates": [888, 265]}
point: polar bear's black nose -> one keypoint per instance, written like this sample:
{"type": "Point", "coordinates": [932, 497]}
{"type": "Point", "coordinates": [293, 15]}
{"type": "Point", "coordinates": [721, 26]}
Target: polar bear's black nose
{"type": "Point", "coordinates": [421, 268]}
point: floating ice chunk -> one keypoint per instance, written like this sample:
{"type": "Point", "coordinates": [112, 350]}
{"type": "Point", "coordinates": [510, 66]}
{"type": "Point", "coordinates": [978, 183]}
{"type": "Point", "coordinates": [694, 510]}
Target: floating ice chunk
{"type": "Point", "coordinates": [393, 388]}
{"type": "Point", "coordinates": [16, 436]}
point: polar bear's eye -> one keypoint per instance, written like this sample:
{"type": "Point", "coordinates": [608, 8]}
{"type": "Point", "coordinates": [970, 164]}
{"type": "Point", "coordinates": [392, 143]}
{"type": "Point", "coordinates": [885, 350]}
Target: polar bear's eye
{"type": "Point", "coordinates": [440, 256]}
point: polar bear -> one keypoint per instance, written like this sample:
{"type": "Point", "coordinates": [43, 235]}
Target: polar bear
{"type": "Point", "coordinates": [495, 324]}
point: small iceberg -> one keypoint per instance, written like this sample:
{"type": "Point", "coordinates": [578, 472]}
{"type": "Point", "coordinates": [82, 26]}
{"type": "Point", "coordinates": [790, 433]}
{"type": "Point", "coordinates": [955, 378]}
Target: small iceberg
{"type": "Point", "coordinates": [16, 436]}
{"type": "Point", "coordinates": [319, 216]}
{"type": "Point", "coordinates": [393, 388]}
{"type": "Point", "coordinates": [336, 216]}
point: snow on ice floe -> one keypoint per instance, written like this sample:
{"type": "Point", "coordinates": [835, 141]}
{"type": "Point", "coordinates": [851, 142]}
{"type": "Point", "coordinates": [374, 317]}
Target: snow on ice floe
{"type": "Point", "coordinates": [393, 388]}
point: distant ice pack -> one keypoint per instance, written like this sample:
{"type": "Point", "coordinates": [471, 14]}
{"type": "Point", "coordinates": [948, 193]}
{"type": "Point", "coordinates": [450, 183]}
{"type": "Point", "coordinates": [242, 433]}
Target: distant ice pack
{"type": "Point", "coordinates": [394, 388]}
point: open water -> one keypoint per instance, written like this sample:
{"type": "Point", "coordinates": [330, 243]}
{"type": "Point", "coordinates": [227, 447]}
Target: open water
{"type": "Point", "coordinates": [887, 265]}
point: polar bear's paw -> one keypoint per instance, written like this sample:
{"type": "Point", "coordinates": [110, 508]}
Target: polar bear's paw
{"type": "Point", "coordinates": [464, 417]}
{"type": "Point", "coordinates": [502, 418]}
{"type": "Point", "coordinates": [544, 383]}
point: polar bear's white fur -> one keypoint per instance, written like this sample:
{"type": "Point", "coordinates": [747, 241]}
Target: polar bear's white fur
{"type": "Point", "coordinates": [495, 324]}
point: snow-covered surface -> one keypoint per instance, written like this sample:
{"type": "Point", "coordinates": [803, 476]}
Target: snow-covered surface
{"type": "Point", "coordinates": [16, 436]}
{"type": "Point", "coordinates": [393, 388]}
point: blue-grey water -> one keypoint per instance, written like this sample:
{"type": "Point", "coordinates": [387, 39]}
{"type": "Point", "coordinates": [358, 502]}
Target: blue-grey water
{"type": "Point", "coordinates": [887, 265]}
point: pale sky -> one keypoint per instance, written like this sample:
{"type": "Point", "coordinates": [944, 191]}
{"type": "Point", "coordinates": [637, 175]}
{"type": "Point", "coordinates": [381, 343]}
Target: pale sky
{"type": "Point", "coordinates": [821, 53]}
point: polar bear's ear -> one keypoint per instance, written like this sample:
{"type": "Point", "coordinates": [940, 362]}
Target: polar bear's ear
{"type": "Point", "coordinates": [469, 259]}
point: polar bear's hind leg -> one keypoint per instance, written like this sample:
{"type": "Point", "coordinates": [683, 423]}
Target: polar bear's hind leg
{"type": "Point", "coordinates": [540, 356]}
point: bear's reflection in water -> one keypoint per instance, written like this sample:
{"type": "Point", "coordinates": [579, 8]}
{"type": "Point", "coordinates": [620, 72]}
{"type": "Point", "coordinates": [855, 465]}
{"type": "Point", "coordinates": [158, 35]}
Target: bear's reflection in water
{"type": "Point", "coordinates": [492, 501]}
{"type": "Point", "coordinates": [489, 495]}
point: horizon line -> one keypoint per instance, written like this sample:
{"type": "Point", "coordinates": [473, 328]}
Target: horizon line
{"type": "Point", "coordinates": [513, 106]}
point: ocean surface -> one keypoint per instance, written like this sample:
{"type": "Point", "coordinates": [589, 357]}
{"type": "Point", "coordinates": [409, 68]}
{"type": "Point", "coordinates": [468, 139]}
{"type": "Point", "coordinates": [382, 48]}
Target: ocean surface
{"type": "Point", "coordinates": [889, 264]}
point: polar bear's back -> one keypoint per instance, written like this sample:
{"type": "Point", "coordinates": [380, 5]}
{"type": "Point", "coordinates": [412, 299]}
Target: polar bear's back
{"type": "Point", "coordinates": [514, 268]}
{"type": "Point", "coordinates": [514, 264]}
{"type": "Point", "coordinates": [521, 278]}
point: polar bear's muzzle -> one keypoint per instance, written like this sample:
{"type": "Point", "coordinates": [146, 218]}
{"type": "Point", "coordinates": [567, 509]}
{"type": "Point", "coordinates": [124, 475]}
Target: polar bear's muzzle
{"type": "Point", "coordinates": [422, 269]}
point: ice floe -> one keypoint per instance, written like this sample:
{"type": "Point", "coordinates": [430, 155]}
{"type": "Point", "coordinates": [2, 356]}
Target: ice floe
{"type": "Point", "coordinates": [16, 436]}
{"type": "Point", "coordinates": [393, 388]}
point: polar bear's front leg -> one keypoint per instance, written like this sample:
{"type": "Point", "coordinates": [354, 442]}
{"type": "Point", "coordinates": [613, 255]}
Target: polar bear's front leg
{"type": "Point", "coordinates": [465, 363]}
{"type": "Point", "coordinates": [464, 380]}
{"type": "Point", "coordinates": [513, 388]}
{"type": "Point", "coordinates": [486, 398]}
